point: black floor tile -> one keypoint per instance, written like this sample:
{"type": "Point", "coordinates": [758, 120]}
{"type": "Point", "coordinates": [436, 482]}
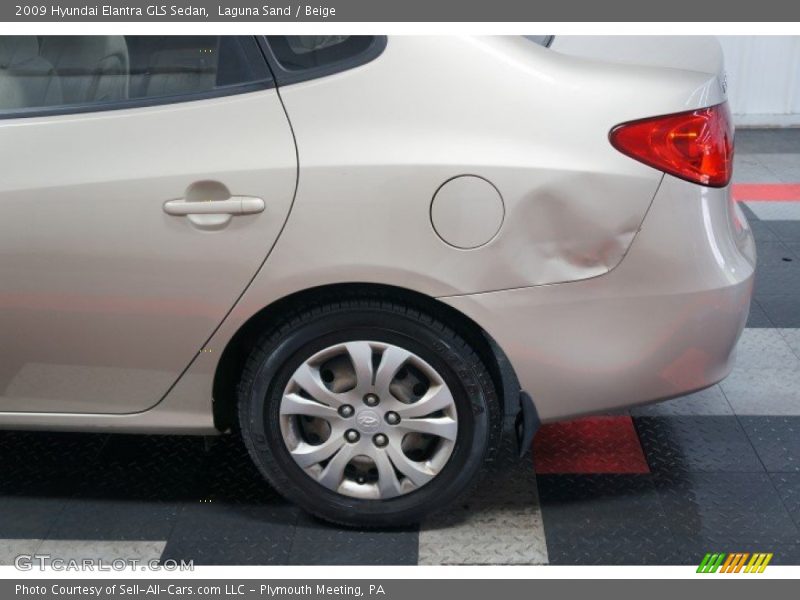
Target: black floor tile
{"type": "Point", "coordinates": [151, 468]}
{"type": "Point", "coordinates": [794, 248]}
{"type": "Point", "coordinates": [778, 278]}
{"type": "Point", "coordinates": [688, 552]}
{"type": "Point", "coordinates": [783, 310]}
{"type": "Point", "coordinates": [313, 531]}
{"type": "Point", "coordinates": [761, 231]}
{"type": "Point", "coordinates": [784, 554]}
{"type": "Point", "coordinates": [366, 552]}
{"type": "Point", "coordinates": [619, 550]}
{"type": "Point", "coordinates": [28, 517]}
{"type": "Point", "coordinates": [696, 443]}
{"type": "Point", "coordinates": [768, 141]}
{"type": "Point", "coordinates": [725, 511]}
{"type": "Point", "coordinates": [778, 272]}
{"type": "Point", "coordinates": [229, 475]}
{"type": "Point", "coordinates": [226, 552]}
{"type": "Point", "coordinates": [46, 464]}
{"type": "Point", "coordinates": [603, 519]}
{"type": "Point", "coordinates": [44, 481]}
{"type": "Point", "coordinates": [776, 254]}
{"type": "Point", "coordinates": [115, 519]}
{"type": "Point", "coordinates": [667, 518]}
{"type": "Point", "coordinates": [212, 522]}
{"type": "Point", "coordinates": [786, 231]}
{"type": "Point", "coordinates": [788, 486]}
{"type": "Point", "coordinates": [776, 440]}
{"type": "Point", "coordinates": [757, 317]}
{"type": "Point", "coordinates": [64, 450]}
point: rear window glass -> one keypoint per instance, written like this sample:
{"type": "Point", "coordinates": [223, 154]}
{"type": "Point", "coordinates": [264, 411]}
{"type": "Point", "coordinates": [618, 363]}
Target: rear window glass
{"type": "Point", "coordinates": [306, 52]}
{"type": "Point", "coordinates": [542, 40]}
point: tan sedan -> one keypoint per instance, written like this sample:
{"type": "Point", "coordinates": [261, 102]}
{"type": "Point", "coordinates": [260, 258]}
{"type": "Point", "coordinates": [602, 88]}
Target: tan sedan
{"type": "Point", "coordinates": [367, 256]}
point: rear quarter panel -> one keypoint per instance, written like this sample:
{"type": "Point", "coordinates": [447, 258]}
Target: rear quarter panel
{"type": "Point", "coordinates": [376, 142]}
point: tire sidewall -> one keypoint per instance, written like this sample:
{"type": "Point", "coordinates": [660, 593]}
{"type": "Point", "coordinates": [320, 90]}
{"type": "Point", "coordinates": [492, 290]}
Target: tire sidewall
{"type": "Point", "coordinates": [440, 350]}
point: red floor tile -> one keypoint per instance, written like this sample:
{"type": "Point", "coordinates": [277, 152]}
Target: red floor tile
{"type": "Point", "coordinates": [772, 192]}
{"type": "Point", "coordinates": [590, 445]}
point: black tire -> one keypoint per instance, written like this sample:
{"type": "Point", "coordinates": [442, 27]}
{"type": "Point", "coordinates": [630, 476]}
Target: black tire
{"type": "Point", "coordinates": [278, 353]}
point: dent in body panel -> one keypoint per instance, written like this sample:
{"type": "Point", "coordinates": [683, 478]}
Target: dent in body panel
{"type": "Point", "coordinates": [571, 235]}
{"type": "Point", "coordinates": [663, 323]}
{"type": "Point", "coordinates": [573, 203]}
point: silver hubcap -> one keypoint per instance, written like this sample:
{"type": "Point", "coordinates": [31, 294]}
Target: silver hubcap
{"type": "Point", "coordinates": [368, 419]}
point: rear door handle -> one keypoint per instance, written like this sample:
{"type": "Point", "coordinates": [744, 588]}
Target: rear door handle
{"type": "Point", "coordinates": [235, 205]}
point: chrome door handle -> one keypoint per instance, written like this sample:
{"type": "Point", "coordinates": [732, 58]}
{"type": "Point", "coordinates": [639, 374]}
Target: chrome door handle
{"type": "Point", "coordinates": [235, 205]}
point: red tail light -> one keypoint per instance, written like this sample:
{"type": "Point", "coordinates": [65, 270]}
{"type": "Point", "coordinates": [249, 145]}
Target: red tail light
{"type": "Point", "coordinates": [696, 145]}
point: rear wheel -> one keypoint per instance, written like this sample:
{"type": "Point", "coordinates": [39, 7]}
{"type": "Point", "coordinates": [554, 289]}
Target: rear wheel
{"type": "Point", "coordinates": [368, 413]}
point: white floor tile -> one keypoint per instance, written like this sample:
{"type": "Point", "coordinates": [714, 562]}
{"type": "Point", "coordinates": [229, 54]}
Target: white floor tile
{"type": "Point", "coordinates": [763, 391]}
{"type": "Point", "coordinates": [105, 550]}
{"type": "Point", "coordinates": [775, 210]}
{"type": "Point", "coordinates": [792, 337]}
{"type": "Point", "coordinates": [500, 524]}
{"type": "Point", "coordinates": [766, 348]}
{"type": "Point", "coordinates": [10, 549]}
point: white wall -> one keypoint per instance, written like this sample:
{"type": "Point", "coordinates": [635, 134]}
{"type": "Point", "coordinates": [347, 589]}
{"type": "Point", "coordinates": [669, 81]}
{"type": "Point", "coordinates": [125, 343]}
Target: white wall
{"type": "Point", "coordinates": [763, 79]}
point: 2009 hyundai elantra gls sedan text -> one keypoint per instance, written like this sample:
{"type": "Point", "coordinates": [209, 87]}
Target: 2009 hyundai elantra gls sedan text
{"type": "Point", "coordinates": [368, 257]}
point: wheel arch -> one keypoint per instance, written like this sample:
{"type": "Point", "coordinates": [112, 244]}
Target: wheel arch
{"type": "Point", "coordinates": [233, 357]}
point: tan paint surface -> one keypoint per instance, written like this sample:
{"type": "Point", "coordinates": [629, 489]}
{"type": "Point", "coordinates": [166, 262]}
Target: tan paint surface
{"type": "Point", "coordinates": [645, 314]}
{"type": "Point", "coordinates": [104, 298]}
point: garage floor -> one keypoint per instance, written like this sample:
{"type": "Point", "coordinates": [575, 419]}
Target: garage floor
{"type": "Point", "coordinates": [714, 471]}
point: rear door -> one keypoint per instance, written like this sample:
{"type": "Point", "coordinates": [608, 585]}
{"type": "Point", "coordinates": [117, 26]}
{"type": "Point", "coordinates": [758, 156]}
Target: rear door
{"type": "Point", "coordinates": [145, 180]}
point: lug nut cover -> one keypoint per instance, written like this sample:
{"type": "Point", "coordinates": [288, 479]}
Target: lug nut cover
{"type": "Point", "coordinates": [380, 440]}
{"type": "Point", "coordinates": [351, 435]}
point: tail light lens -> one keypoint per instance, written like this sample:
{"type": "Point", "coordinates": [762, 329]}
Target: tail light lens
{"type": "Point", "coordinates": [696, 145]}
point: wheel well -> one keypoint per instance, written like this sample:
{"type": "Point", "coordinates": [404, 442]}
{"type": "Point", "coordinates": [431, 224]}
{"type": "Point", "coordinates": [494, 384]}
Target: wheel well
{"type": "Point", "coordinates": [233, 357]}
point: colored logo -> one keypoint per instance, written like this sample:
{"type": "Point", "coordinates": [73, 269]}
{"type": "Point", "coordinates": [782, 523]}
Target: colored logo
{"type": "Point", "coordinates": [736, 562]}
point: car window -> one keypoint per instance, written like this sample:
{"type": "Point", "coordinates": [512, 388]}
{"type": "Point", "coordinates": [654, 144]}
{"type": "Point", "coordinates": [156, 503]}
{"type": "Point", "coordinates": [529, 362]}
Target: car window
{"type": "Point", "coordinates": [542, 40]}
{"type": "Point", "coordinates": [300, 52]}
{"type": "Point", "coordinates": [299, 57]}
{"type": "Point", "coordinates": [70, 72]}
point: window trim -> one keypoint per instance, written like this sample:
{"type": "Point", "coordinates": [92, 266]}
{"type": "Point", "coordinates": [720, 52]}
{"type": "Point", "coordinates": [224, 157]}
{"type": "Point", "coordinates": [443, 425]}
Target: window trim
{"type": "Point", "coordinates": [92, 107]}
{"type": "Point", "coordinates": [287, 77]}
